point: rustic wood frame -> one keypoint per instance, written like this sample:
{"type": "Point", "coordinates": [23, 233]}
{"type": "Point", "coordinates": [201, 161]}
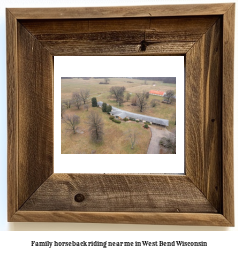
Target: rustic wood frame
{"type": "Point", "coordinates": [202, 33]}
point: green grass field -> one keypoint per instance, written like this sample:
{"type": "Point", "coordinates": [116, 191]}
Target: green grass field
{"type": "Point", "coordinates": [115, 137]}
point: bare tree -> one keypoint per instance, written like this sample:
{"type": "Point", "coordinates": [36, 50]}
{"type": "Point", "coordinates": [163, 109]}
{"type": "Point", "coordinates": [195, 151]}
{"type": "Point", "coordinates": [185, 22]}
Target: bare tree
{"type": "Point", "coordinates": [172, 100]}
{"type": "Point", "coordinates": [63, 108]}
{"type": "Point", "coordinates": [77, 99]}
{"type": "Point", "coordinates": [72, 121]}
{"type": "Point", "coordinates": [84, 94]}
{"type": "Point", "coordinates": [120, 101]}
{"type": "Point", "coordinates": [128, 96]}
{"type": "Point", "coordinates": [95, 124]}
{"type": "Point", "coordinates": [67, 103]}
{"type": "Point", "coordinates": [141, 101]}
{"type": "Point", "coordinates": [86, 107]}
{"type": "Point", "coordinates": [154, 103]}
{"type": "Point", "coordinates": [133, 136]}
{"type": "Point", "coordinates": [118, 93]}
{"type": "Point", "coordinates": [106, 80]}
{"type": "Point", "coordinates": [169, 95]}
{"type": "Point", "coordinates": [134, 101]}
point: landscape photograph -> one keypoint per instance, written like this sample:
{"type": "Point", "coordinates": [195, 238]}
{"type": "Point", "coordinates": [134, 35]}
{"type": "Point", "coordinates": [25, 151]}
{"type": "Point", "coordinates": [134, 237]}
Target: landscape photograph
{"type": "Point", "coordinates": [118, 115]}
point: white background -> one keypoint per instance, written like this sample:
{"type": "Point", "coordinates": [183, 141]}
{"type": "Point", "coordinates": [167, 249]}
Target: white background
{"type": "Point", "coordinates": [20, 241]}
{"type": "Point", "coordinates": [119, 66]}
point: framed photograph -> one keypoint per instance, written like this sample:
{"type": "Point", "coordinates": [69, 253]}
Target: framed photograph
{"type": "Point", "coordinates": [134, 119]}
{"type": "Point", "coordinates": [127, 185]}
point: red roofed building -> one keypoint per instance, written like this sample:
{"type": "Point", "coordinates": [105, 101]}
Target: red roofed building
{"type": "Point", "coordinates": [159, 93]}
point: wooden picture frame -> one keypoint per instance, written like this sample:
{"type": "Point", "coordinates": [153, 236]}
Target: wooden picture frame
{"type": "Point", "coordinates": [204, 34]}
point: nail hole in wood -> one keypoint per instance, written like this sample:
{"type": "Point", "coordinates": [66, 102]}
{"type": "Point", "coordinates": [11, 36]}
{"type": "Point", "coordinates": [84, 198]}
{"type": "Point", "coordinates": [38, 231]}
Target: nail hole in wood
{"type": "Point", "coordinates": [79, 198]}
{"type": "Point", "coordinates": [143, 45]}
{"type": "Point", "coordinates": [213, 120]}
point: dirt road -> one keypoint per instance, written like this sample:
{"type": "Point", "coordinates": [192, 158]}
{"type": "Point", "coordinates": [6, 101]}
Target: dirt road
{"type": "Point", "coordinates": [157, 134]}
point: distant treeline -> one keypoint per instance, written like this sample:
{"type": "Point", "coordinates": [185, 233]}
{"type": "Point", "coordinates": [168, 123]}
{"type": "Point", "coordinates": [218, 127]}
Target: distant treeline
{"type": "Point", "coordinates": [171, 80]}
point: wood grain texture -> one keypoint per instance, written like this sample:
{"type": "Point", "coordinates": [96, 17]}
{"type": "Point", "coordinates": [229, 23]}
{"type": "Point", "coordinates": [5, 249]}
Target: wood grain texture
{"type": "Point", "coordinates": [119, 36]}
{"type": "Point", "coordinates": [35, 114]}
{"type": "Point", "coordinates": [204, 115]}
{"type": "Point", "coordinates": [114, 193]}
{"type": "Point", "coordinates": [197, 219]}
{"type": "Point", "coordinates": [179, 25]}
{"type": "Point", "coordinates": [71, 48]}
{"type": "Point", "coordinates": [227, 113]}
{"type": "Point", "coordinates": [115, 12]}
{"type": "Point", "coordinates": [12, 117]}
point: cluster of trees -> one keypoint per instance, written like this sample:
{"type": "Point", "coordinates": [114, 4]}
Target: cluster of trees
{"type": "Point", "coordinates": [169, 96]}
{"type": "Point", "coordinates": [118, 93]}
{"type": "Point", "coordinates": [141, 100]}
{"type": "Point", "coordinates": [106, 108]}
{"type": "Point", "coordinates": [78, 98]}
{"type": "Point", "coordinates": [94, 121]}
